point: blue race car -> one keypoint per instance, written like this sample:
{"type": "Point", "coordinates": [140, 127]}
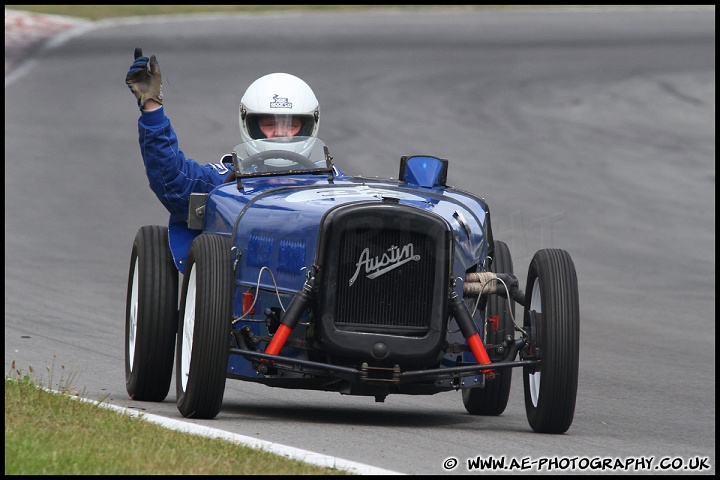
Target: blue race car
{"type": "Point", "coordinates": [297, 276]}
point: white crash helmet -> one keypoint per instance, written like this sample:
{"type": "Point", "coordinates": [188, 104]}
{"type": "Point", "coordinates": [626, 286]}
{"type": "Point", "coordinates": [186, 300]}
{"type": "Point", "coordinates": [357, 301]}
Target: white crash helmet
{"type": "Point", "coordinates": [284, 95]}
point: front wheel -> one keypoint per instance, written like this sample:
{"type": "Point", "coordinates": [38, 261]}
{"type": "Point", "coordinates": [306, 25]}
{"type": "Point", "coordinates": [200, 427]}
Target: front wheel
{"type": "Point", "coordinates": [552, 321]}
{"type": "Point", "coordinates": [203, 345]}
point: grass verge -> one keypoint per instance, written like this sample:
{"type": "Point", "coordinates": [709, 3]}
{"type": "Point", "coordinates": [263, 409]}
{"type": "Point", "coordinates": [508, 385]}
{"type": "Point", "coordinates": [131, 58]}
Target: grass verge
{"type": "Point", "coordinates": [49, 433]}
{"type": "Point", "coordinates": [100, 12]}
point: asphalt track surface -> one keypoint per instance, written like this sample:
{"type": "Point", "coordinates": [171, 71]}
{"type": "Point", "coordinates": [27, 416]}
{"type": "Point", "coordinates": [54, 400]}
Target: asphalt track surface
{"type": "Point", "coordinates": [591, 130]}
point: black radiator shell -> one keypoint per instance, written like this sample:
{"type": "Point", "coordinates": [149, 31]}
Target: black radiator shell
{"type": "Point", "coordinates": [400, 316]}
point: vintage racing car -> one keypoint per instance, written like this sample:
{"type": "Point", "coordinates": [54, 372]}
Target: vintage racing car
{"type": "Point", "coordinates": [297, 276]}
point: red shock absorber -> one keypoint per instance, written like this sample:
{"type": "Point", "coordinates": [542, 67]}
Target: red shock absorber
{"type": "Point", "coordinates": [470, 332]}
{"type": "Point", "coordinates": [291, 317]}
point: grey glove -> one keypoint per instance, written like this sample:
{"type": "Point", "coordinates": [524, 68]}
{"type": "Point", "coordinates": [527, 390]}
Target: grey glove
{"type": "Point", "coordinates": [144, 79]}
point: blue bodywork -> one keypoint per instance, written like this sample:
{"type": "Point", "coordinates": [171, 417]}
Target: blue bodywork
{"type": "Point", "coordinates": [273, 223]}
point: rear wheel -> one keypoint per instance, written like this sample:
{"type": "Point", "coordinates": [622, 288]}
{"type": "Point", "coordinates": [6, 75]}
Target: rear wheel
{"type": "Point", "coordinates": [552, 319]}
{"type": "Point", "coordinates": [203, 344]}
{"type": "Point", "coordinates": [493, 397]}
{"type": "Point", "coordinates": [150, 316]}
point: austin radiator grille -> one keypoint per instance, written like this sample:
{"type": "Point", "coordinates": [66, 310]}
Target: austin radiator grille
{"type": "Point", "coordinates": [385, 281]}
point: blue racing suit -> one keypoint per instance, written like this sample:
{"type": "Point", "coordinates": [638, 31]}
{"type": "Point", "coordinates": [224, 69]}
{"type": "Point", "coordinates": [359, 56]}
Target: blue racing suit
{"type": "Point", "coordinates": [173, 176]}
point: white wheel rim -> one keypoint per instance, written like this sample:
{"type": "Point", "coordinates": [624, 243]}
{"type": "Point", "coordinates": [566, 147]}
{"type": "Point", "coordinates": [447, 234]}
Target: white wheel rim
{"type": "Point", "coordinates": [132, 331]}
{"type": "Point", "coordinates": [188, 328]}
{"type": "Point", "coordinates": [534, 378]}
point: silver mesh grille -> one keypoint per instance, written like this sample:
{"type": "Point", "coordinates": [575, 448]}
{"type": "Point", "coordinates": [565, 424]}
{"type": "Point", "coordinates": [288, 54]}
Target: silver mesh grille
{"type": "Point", "coordinates": [385, 279]}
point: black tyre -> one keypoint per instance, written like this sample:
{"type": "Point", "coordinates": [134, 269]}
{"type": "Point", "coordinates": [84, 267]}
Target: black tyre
{"type": "Point", "coordinates": [151, 314]}
{"type": "Point", "coordinates": [493, 397]}
{"type": "Point", "coordinates": [552, 318]}
{"type": "Point", "coordinates": [203, 345]}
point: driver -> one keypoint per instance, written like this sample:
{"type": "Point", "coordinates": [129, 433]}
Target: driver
{"type": "Point", "coordinates": [275, 105]}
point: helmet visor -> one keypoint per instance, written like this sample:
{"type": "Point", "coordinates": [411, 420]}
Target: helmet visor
{"type": "Point", "coordinates": [279, 125]}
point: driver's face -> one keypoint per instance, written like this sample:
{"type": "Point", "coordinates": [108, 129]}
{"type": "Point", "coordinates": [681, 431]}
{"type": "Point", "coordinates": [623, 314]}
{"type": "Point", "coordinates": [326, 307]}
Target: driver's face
{"type": "Point", "coordinates": [273, 127]}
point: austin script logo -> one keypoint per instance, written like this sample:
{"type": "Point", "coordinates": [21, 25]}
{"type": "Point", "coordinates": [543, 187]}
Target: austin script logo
{"type": "Point", "coordinates": [380, 265]}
